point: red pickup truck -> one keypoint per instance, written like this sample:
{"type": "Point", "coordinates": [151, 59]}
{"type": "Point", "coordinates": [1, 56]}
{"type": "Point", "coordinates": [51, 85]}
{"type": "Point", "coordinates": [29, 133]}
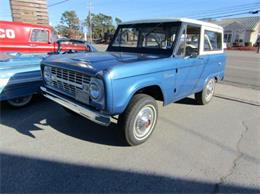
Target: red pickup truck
{"type": "Point", "coordinates": [31, 38]}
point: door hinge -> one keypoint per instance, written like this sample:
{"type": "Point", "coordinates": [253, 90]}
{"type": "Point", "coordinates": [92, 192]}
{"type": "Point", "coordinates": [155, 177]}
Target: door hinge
{"type": "Point", "coordinates": [174, 90]}
{"type": "Point", "coordinates": [176, 70]}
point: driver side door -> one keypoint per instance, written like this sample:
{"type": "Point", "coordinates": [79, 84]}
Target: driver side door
{"type": "Point", "coordinates": [190, 64]}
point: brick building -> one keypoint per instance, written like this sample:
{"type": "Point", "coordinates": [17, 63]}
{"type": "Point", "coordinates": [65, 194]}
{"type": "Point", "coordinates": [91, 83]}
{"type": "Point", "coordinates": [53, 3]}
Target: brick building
{"type": "Point", "coordinates": [30, 11]}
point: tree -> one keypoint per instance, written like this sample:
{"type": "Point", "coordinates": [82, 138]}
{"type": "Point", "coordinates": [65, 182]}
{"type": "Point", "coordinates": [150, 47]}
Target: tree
{"type": "Point", "coordinates": [118, 21]}
{"type": "Point", "coordinates": [70, 25]}
{"type": "Point", "coordinates": [101, 25]}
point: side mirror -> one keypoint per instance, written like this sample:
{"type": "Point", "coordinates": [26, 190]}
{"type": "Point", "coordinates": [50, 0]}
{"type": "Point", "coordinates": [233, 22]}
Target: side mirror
{"type": "Point", "coordinates": [193, 55]}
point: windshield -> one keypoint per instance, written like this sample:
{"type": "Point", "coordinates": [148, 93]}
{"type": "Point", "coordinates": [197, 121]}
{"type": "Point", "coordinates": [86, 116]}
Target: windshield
{"type": "Point", "coordinates": [156, 38]}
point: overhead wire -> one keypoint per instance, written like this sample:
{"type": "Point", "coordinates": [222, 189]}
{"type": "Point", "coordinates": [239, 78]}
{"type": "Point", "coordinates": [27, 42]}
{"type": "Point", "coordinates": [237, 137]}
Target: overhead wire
{"type": "Point", "coordinates": [58, 3]}
{"type": "Point", "coordinates": [226, 10]}
{"type": "Point", "coordinates": [235, 14]}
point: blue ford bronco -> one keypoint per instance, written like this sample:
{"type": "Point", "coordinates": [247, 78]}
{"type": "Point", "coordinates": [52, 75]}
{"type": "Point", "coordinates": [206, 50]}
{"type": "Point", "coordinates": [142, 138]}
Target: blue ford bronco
{"type": "Point", "coordinates": [147, 60]}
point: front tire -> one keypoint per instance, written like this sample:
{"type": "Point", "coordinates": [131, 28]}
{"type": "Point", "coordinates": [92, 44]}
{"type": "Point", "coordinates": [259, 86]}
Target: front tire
{"type": "Point", "coordinates": [139, 119]}
{"type": "Point", "coordinates": [206, 95]}
{"type": "Point", "coordinates": [20, 102]}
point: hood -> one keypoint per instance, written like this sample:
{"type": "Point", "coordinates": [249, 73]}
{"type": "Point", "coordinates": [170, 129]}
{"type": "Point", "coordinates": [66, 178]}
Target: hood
{"type": "Point", "coordinates": [98, 61]}
{"type": "Point", "coordinates": [13, 64]}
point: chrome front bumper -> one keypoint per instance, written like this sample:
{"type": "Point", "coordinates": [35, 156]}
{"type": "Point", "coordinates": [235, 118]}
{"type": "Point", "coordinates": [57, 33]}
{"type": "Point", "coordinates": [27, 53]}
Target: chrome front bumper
{"type": "Point", "coordinates": [92, 115]}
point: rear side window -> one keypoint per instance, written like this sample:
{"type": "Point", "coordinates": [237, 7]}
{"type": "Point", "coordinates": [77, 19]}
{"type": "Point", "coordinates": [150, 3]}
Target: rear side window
{"type": "Point", "coordinates": [39, 35]}
{"type": "Point", "coordinates": [212, 41]}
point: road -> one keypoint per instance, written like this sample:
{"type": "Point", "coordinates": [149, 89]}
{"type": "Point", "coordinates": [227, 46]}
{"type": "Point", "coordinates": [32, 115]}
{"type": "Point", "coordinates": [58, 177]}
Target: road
{"type": "Point", "coordinates": [243, 69]}
{"type": "Point", "coordinates": [203, 149]}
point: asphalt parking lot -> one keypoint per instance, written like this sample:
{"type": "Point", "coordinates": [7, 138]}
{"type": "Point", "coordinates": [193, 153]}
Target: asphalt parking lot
{"type": "Point", "coordinates": [212, 148]}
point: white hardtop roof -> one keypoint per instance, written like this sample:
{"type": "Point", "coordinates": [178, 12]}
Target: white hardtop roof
{"type": "Point", "coordinates": [187, 20]}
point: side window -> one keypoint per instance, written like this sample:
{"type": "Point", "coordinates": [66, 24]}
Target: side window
{"type": "Point", "coordinates": [39, 35]}
{"type": "Point", "coordinates": [212, 41]}
{"type": "Point", "coordinates": [189, 42]}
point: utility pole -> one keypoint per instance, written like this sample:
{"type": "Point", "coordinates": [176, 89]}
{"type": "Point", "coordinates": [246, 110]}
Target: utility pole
{"type": "Point", "coordinates": [89, 21]}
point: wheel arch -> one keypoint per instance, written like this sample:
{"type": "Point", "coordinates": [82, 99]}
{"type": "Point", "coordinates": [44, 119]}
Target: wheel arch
{"type": "Point", "coordinates": [216, 77]}
{"type": "Point", "coordinates": [154, 90]}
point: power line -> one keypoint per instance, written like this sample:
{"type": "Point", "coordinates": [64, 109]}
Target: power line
{"type": "Point", "coordinates": [241, 13]}
{"type": "Point", "coordinates": [254, 12]}
{"type": "Point", "coordinates": [60, 2]}
{"type": "Point", "coordinates": [230, 8]}
{"type": "Point", "coordinates": [227, 10]}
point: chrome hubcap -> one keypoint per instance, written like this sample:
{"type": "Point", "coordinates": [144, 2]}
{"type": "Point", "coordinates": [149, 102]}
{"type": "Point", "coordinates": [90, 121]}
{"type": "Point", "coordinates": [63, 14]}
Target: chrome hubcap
{"type": "Point", "coordinates": [210, 88]}
{"type": "Point", "coordinates": [144, 122]}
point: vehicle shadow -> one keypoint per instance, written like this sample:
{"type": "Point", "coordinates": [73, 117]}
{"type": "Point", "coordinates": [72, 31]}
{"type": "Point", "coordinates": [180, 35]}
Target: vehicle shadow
{"type": "Point", "coordinates": [21, 174]}
{"type": "Point", "coordinates": [23, 119]}
{"type": "Point", "coordinates": [187, 101]}
{"type": "Point", "coordinates": [79, 127]}
{"type": "Point", "coordinates": [43, 112]}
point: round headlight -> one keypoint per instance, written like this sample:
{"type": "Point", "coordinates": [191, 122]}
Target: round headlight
{"type": "Point", "coordinates": [47, 73]}
{"type": "Point", "coordinates": [95, 91]}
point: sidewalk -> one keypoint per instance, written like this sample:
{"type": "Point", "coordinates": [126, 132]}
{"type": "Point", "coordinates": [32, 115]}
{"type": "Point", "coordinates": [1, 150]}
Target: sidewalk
{"type": "Point", "coordinates": [245, 95]}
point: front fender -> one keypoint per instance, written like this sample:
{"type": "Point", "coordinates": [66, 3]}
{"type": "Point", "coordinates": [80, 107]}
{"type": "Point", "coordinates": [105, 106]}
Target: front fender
{"type": "Point", "coordinates": [124, 89]}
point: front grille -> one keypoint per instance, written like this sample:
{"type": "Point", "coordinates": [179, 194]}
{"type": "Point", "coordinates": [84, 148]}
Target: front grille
{"type": "Point", "coordinates": [69, 81]}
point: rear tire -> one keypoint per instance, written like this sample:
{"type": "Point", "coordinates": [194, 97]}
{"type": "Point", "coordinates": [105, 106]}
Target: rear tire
{"type": "Point", "coordinates": [139, 119]}
{"type": "Point", "coordinates": [206, 95]}
{"type": "Point", "coordinates": [20, 102]}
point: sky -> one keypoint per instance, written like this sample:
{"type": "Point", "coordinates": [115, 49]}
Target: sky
{"type": "Point", "coordinates": [141, 9]}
